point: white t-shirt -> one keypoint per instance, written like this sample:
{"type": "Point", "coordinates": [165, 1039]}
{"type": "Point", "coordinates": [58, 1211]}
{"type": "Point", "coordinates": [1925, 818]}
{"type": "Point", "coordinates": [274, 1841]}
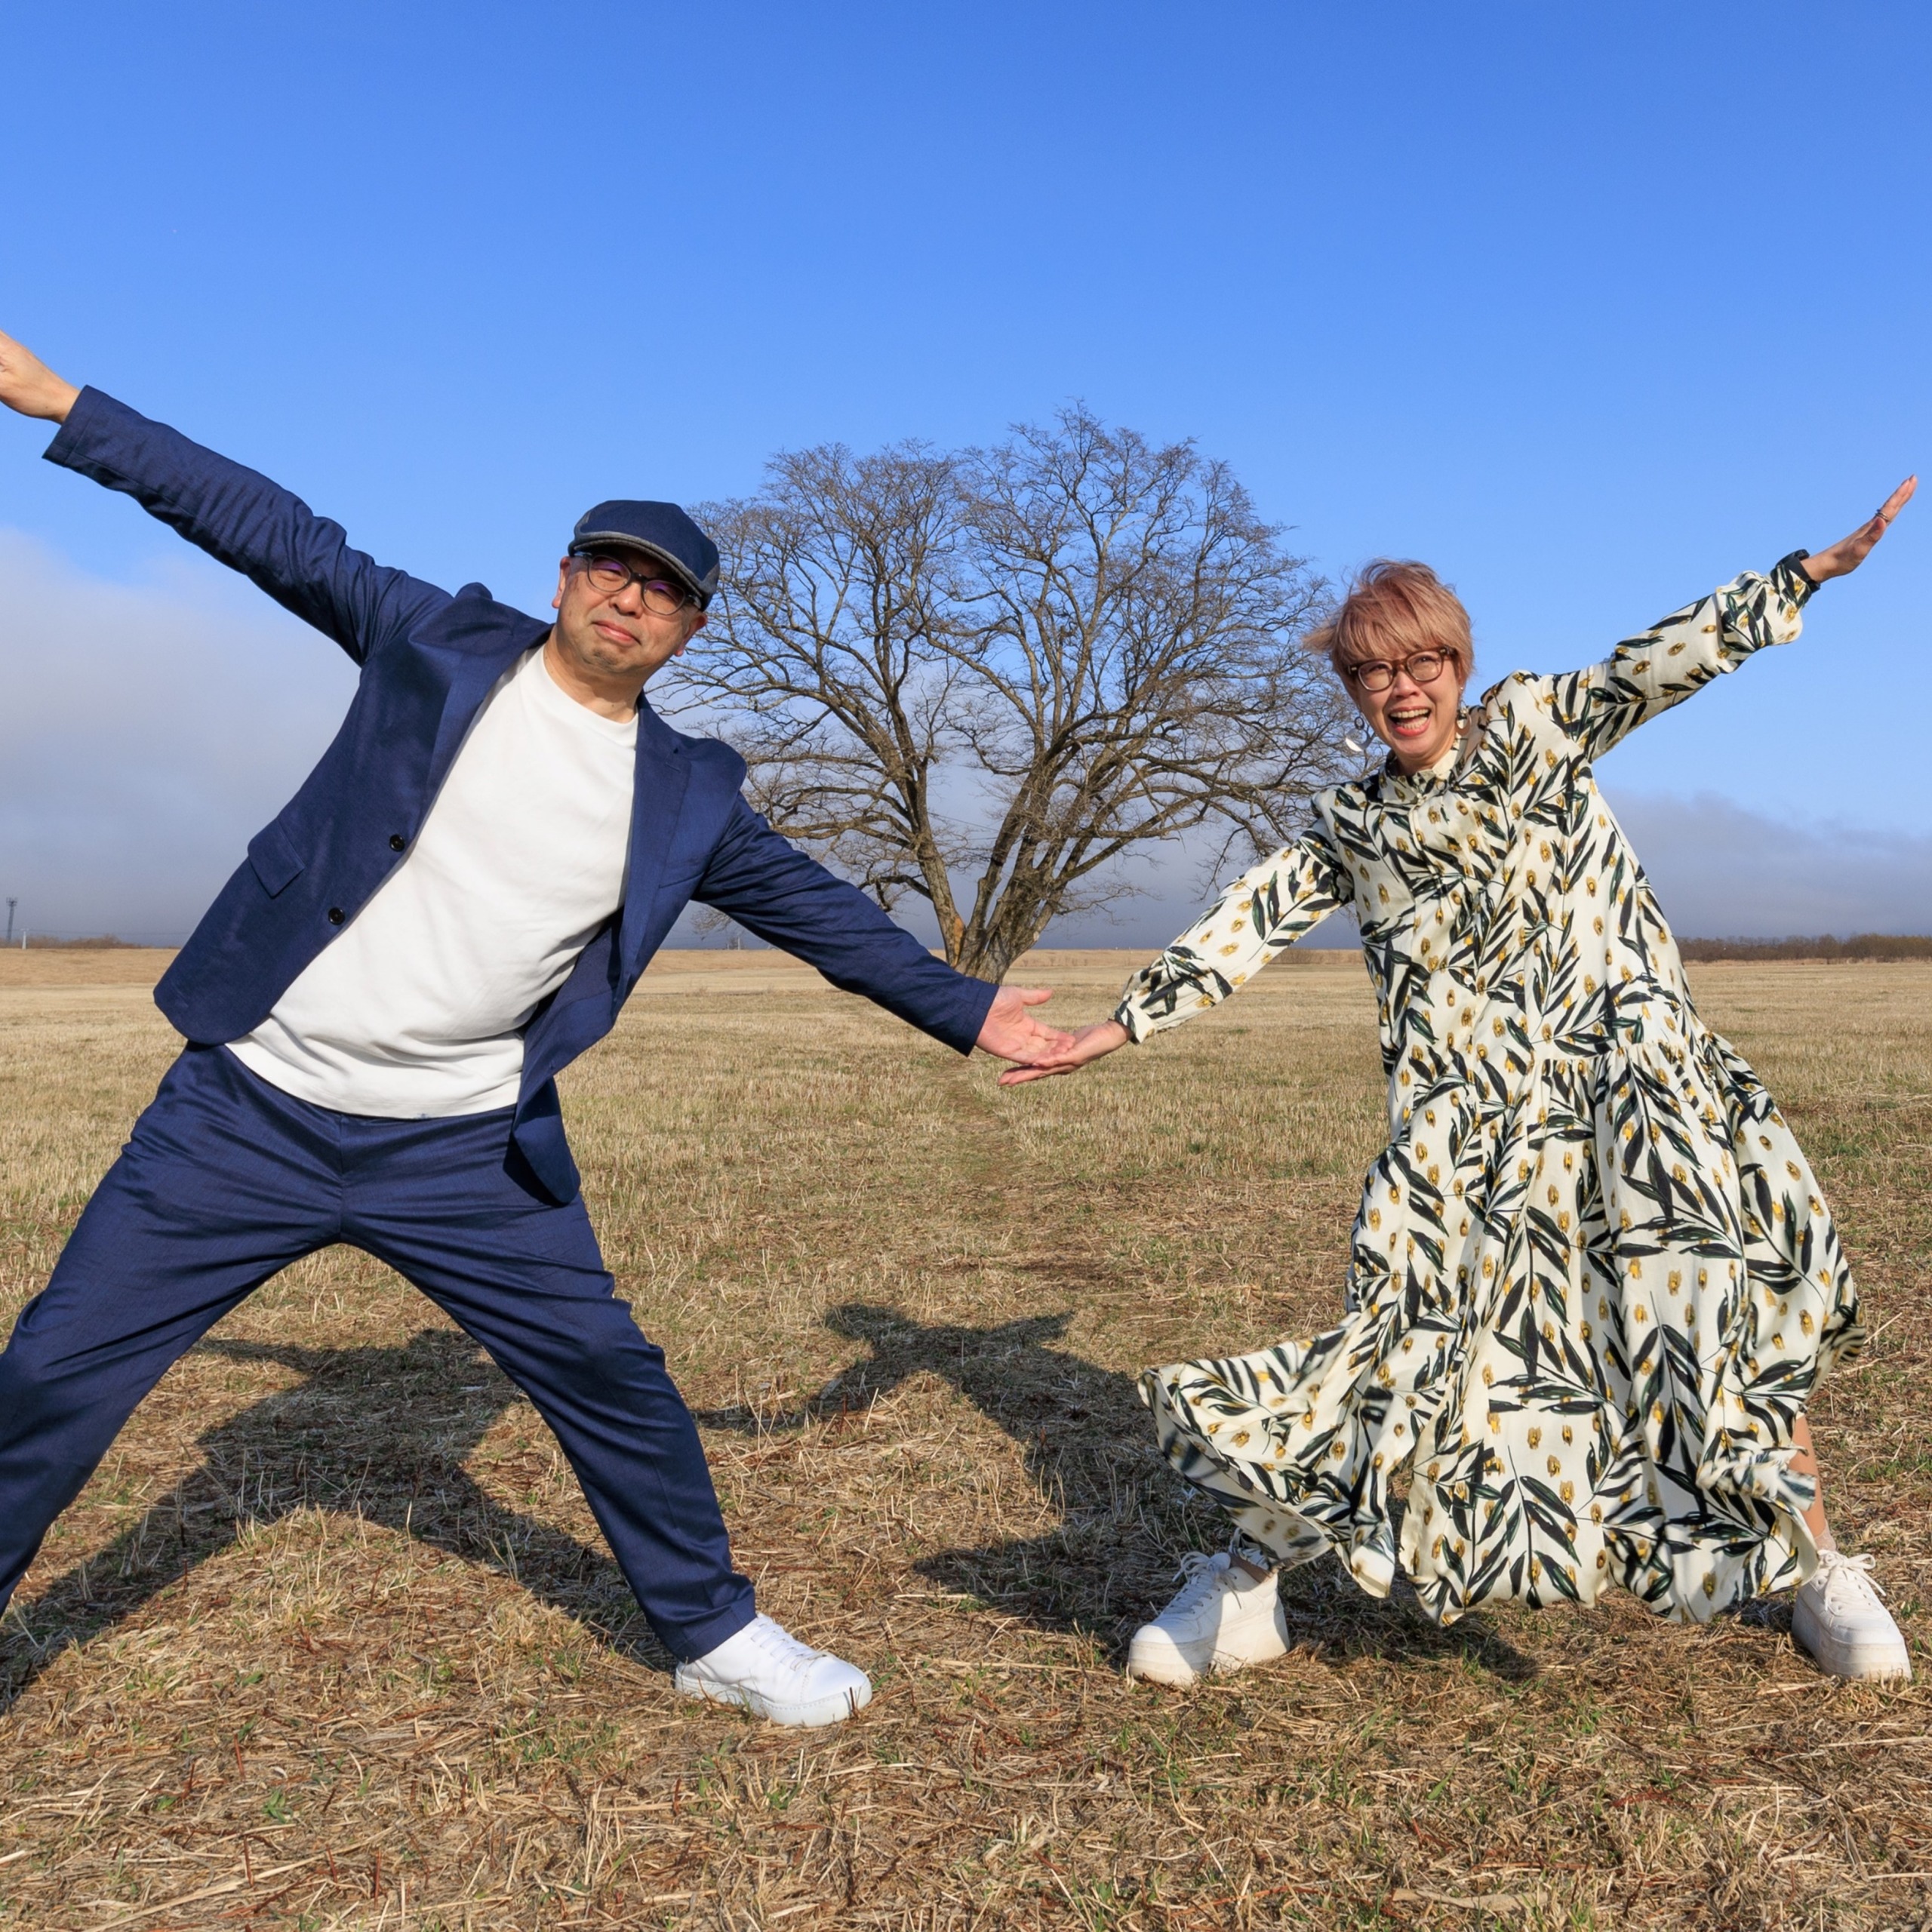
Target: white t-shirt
{"type": "Point", "coordinates": [417, 1009]}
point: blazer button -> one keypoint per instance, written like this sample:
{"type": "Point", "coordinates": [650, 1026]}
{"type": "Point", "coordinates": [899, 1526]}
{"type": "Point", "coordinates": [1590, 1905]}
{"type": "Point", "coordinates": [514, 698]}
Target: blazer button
{"type": "Point", "coordinates": [396, 841]}
{"type": "Point", "coordinates": [336, 915]}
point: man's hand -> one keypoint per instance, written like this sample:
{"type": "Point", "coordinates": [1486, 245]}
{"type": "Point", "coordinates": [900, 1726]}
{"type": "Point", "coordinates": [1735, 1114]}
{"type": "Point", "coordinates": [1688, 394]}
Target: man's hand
{"type": "Point", "coordinates": [1848, 552]}
{"type": "Point", "coordinates": [29, 386]}
{"type": "Point", "coordinates": [1086, 1044]}
{"type": "Point", "coordinates": [1013, 1034]}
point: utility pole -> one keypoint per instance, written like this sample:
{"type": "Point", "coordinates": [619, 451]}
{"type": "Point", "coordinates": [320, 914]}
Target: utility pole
{"type": "Point", "coordinates": [11, 904]}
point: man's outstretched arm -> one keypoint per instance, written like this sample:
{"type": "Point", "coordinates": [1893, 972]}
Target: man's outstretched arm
{"type": "Point", "coordinates": [773, 889]}
{"type": "Point", "coordinates": [30, 388]}
{"type": "Point", "coordinates": [303, 561]}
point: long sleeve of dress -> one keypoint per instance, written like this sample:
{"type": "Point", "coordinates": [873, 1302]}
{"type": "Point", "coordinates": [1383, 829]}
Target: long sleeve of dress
{"type": "Point", "coordinates": [1660, 667]}
{"type": "Point", "coordinates": [1262, 914]}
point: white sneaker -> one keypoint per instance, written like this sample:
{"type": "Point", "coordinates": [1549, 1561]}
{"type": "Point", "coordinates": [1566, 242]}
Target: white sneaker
{"type": "Point", "coordinates": [1221, 1618]}
{"type": "Point", "coordinates": [1837, 1617]}
{"type": "Point", "coordinates": [765, 1669]}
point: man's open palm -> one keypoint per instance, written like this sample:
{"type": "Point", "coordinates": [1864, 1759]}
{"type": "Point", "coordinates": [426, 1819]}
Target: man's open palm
{"type": "Point", "coordinates": [1012, 1033]}
{"type": "Point", "coordinates": [28, 386]}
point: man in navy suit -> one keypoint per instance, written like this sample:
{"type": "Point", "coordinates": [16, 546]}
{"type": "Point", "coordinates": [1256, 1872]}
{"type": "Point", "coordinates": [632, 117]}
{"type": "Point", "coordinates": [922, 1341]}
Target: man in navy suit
{"type": "Point", "coordinates": [455, 904]}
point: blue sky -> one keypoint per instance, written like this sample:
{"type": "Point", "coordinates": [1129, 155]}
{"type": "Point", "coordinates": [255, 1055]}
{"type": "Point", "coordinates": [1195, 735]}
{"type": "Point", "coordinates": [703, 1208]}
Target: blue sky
{"type": "Point", "coordinates": [1591, 308]}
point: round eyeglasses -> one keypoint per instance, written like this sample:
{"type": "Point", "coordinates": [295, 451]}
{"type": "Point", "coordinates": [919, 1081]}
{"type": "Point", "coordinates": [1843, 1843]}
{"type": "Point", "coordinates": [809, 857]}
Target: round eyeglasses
{"type": "Point", "coordinates": [609, 575]}
{"type": "Point", "coordinates": [1424, 666]}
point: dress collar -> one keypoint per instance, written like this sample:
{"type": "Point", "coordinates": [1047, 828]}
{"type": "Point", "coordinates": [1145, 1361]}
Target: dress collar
{"type": "Point", "coordinates": [1432, 777]}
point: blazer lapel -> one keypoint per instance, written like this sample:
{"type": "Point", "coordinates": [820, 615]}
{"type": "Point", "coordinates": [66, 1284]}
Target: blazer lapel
{"type": "Point", "coordinates": [473, 619]}
{"type": "Point", "coordinates": [658, 794]}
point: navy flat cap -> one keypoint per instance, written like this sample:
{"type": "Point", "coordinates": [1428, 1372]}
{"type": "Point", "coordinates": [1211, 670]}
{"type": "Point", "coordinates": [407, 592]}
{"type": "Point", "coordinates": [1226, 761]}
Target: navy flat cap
{"type": "Point", "coordinates": [662, 530]}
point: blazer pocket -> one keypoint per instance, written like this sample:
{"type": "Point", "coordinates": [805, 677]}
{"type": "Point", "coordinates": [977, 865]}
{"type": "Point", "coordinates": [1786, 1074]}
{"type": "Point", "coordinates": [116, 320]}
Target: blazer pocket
{"type": "Point", "coordinates": [276, 860]}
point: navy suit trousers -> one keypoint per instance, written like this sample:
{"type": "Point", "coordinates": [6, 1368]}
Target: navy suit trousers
{"type": "Point", "coordinates": [226, 1180]}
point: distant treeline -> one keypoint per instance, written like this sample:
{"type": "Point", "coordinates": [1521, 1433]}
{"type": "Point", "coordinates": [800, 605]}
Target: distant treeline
{"type": "Point", "coordinates": [39, 941]}
{"type": "Point", "coordinates": [1861, 946]}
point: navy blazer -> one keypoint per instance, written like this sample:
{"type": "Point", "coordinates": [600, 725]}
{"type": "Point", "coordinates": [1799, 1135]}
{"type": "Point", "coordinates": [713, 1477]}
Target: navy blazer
{"type": "Point", "coordinates": [428, 660]}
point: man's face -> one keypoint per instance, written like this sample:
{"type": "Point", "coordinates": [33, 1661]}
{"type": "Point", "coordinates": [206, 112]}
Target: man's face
{"type": "Point", "coordinates": [615, 632]}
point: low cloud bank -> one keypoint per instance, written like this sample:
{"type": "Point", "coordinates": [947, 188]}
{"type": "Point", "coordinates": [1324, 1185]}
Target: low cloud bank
{"type": "Point", "coordinates": [1723, 872]}
{"type": "Point", "coordinates": [151, 729]}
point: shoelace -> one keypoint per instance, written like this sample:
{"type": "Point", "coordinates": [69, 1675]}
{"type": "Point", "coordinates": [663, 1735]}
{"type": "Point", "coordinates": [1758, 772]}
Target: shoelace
{"type": "Point", "coordinates": [1200, 1579]}
{"type": "Point", "coordinates": [778, 1643]}
{"type": "Point", "coordinates": [1854, 1572]}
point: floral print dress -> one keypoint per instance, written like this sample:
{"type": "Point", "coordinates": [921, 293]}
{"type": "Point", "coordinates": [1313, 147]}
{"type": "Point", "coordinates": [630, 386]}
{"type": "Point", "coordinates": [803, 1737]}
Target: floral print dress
{"type": "Point", "coordinates": [1592, 1280]}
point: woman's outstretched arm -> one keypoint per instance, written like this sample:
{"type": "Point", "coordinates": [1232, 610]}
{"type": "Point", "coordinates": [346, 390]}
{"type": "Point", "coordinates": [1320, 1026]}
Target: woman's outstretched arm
{"type": "Point", "coordinates": [1649, 673]}
{"type": "Point", "coordinates": [1259, 915]}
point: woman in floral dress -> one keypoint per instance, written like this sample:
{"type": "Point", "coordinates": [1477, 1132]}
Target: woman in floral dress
{"type": "Point", "coordinates": [1592, 1280]}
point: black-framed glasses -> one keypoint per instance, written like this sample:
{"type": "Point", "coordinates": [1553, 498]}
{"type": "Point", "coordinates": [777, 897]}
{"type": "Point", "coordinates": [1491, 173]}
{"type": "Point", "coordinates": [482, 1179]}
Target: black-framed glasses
{"type": "Point", "coordinates": [1424, 666]}
{"type": "Point", "coordinates": [609, 575]}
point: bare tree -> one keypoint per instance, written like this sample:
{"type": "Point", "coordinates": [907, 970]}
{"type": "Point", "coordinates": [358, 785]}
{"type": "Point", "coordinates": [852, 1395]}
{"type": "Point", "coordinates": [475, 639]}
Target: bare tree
{"type": "Point", "coordinates": [1081, 642]}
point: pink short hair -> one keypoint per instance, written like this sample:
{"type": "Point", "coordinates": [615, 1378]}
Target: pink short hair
{"type": "Point", "coordinates": [1393, 609]}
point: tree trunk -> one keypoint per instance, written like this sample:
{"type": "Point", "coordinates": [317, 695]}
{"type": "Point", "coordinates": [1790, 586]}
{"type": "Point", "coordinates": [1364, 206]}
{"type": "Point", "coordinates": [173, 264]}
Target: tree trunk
{"type": "Point", "coordinates": [952, 932]}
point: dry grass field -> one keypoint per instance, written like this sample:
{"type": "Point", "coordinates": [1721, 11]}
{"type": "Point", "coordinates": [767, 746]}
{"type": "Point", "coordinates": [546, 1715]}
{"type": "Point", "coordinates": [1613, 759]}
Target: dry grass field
{"type": "Point", "coordinates": [330, 1640]}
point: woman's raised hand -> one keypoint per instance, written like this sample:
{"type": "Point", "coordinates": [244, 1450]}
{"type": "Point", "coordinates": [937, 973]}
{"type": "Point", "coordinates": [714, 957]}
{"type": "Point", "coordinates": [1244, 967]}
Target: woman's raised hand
{"type": "Point", "coordinates": [1848, 552]}
{"type": "Point", "coordinates": [29, 386]}
{"type": "Point", "coordinates": [1090, 1043]}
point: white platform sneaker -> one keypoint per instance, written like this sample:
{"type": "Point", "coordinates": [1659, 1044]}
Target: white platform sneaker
{"type": "Point", "coordinates": [764, 1669]}
{"type": "Point", "coordinates": [1221, 1618]}
{"type": "Point", "coordinates": [1838, 1618]}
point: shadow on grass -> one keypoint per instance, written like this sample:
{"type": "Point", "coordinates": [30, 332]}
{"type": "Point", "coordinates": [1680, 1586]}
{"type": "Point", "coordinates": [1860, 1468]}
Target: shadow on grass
{"type": "Point", "coordinates": [1085, 1440]}
{"type": "Point", "coordinates": [380, 1433]}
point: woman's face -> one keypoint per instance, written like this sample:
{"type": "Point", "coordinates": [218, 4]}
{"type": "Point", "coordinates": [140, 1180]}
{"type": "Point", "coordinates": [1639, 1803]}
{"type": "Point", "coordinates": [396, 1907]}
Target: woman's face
{"type": "Point", "coordinates": [1415, 711]}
